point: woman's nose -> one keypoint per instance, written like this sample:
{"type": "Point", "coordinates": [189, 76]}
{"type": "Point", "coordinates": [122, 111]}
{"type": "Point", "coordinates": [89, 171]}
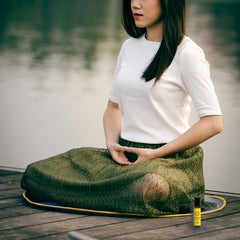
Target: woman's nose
{"type": "Point", "coordinates": [135, 4]}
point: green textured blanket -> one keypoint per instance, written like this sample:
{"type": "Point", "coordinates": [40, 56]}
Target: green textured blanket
{"type": "Point", "coordinates": [89, 178]}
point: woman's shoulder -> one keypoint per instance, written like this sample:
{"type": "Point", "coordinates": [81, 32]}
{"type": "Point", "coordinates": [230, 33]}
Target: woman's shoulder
{"type": "Point", "coordinates": [189, 49]}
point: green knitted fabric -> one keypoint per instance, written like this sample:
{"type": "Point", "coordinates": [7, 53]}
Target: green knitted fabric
{"type": "Point", "coordinates": [89, 178]}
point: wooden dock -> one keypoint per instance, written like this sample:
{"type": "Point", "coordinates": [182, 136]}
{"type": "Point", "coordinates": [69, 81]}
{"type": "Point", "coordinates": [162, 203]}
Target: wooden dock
{"type": "Point", "coordinates": [20, 221]}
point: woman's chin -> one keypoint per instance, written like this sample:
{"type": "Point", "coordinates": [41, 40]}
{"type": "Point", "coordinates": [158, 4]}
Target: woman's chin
{"type": "Point", "coordinates": [140, 25]}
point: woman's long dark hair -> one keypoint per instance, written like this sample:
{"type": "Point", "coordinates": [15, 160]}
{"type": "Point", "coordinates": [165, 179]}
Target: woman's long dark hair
{"type": "Point", "coordinates": [173, 17]}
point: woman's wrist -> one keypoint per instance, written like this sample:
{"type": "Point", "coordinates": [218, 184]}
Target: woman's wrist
{"type": "Point", "coordinates": [110, 144]}
{"type": "Point", "coordinates": [160, 152]}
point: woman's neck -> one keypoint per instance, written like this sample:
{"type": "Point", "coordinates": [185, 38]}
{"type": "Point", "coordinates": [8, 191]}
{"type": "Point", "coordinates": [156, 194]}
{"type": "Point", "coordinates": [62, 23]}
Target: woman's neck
{"type": "Point", "coordinates": [154, 33]}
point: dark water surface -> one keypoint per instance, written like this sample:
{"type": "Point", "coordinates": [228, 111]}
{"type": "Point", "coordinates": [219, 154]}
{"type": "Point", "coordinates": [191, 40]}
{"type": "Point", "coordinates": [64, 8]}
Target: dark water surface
{"type": "Point", "coordinates": [57, 60]}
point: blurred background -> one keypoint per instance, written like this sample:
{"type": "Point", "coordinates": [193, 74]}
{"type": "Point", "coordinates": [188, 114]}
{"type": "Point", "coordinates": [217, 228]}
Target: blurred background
{"type": "Point", "coordinates": [57, 60]}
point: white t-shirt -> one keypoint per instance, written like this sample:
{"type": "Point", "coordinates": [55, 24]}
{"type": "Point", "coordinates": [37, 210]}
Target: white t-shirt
{"type": "Point", "coordinates": [160, 113]}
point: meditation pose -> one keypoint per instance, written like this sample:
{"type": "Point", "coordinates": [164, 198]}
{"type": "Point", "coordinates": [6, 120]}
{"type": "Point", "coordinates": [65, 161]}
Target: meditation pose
{"type": "Point", "coordinates": [153, 164]}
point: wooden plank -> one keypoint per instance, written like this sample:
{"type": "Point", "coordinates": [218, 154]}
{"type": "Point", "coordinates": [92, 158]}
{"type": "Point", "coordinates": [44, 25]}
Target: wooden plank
{"type": "Point", "coordinates": [11, 202]}
{"type": "Point", "coordinates": [229, 194]}
{"type": "Point", "coordinates": [227, 198]}
{"type": "Point", "coordinates": [154, 223]}
{"type": "Point", "coordinates": [227, 233]}
{"type": "Point", "coordinates": [11, 178]}
{"type": "Point", "coordinates": [36, 219]}
{"type": "Point", "coordinates": [9, 185]}
{"type": "Point", "coordinates": [58, 236]}
{"type": "Point", "coordinates": [134, 227]}
{"type": "Point", "coordinates": [18, 211]}
{"type": "Point", "coordinates": [184, 230]}
{"type": "Point", "coordinates": [12, 193]}
{"type": "Point", "coordinates": [57, 227]}
{"type": "Point", "coordinates": [7, 172]}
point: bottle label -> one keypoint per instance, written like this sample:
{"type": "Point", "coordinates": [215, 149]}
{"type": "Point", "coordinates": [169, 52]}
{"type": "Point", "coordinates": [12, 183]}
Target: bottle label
{"type": "Point", "coordinates": [197, 217]}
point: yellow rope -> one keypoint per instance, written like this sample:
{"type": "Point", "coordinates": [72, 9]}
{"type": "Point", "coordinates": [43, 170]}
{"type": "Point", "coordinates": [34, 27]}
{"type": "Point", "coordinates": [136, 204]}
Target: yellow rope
{"type": "Point", "coordinates": [122, 214]}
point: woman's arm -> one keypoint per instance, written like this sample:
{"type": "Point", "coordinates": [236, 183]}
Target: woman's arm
{"type": "Point", "coordinates": [204, 129]}
{"type": "Point", "coordinates": [112, 122]}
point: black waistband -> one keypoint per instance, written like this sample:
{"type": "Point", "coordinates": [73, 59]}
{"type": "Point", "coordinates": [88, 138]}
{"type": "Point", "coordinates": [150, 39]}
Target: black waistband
{"type": "Point", "coordinates": [132, 157]}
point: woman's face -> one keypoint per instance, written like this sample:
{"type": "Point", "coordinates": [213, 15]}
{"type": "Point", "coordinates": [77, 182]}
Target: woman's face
{"type": "Point", "coordinates": [146, 13]}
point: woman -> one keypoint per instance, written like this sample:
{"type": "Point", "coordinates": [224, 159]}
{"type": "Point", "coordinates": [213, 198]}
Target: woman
{"type": "Point", "coordinates": [155, 164]}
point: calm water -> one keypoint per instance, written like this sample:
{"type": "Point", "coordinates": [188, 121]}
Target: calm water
{"type": "Point", "coordinates": [57, 63]}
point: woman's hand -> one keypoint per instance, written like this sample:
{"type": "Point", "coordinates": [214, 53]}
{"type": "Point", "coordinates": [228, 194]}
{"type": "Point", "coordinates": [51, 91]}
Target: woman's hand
{"type": "Point", "coordinates": [144, 154]}
{"type": "Point", "coordinates": [117, 152]}
{"type": "Point", "coordinates": [112, 127]}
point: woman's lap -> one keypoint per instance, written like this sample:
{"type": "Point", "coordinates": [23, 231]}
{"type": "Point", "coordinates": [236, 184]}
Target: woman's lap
{"type": "Point", "coordinates": [89, 178]}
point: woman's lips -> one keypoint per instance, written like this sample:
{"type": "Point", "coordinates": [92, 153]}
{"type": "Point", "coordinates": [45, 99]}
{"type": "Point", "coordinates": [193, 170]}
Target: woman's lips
{"type": "Point", "coordinates": [137, 15]}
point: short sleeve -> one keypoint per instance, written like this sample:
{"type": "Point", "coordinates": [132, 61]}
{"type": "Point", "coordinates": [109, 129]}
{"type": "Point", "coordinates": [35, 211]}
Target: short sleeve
{"type": "Point", "coordinates": [195, 74]}
{"type": "Point", "coordinates": [114, 93]}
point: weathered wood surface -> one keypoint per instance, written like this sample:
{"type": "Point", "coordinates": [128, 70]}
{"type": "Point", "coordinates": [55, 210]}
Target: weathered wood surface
{"type": "Point", "coordinates": [20, 221]}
